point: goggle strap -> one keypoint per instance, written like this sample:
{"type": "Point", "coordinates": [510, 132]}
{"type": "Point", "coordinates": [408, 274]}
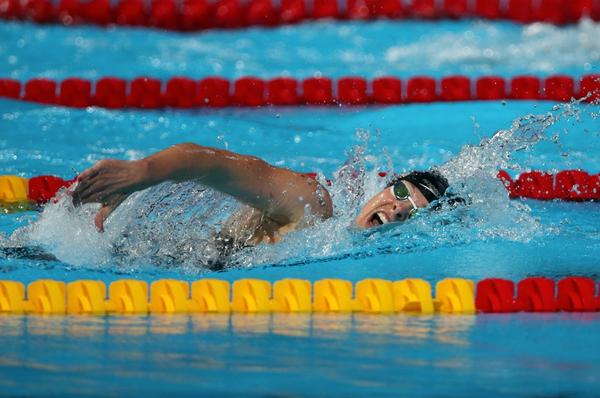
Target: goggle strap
{"type": "Point", "coordinates": [412, 202]}
{"type": "Point", "coordinates": [436, 194]}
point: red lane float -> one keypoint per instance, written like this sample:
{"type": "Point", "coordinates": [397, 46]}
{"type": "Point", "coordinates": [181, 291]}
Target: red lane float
{"type": "Point", "coordinates": [76, 93]}
{"type": "Point", "coordinates": [317, 91]}
{"type": "Point", "coordinates": [131, 13]}
{"type": "Point", "coordinates": [387, 90]}
{"type": "Point", "coordinates": [589, 87]}
{"type": "Point", "coordinates": [40, 90]}
{"type": "Point", "coordinates": [490, 88]}
{"type": "Point", "coordinates": [421, 89]}
{"type": "Point", "coordinates": [182, 92]}
{"type": "Point", "coordinates": [359, 9]}
{"type": "Point", "coordinates": [99, 12]}
{"type": "Point", "coordinates": [520, 11]}
{"type": "Point", "coordinates": [456, 88]}
{"type": "Point", "coordinates": [495, 295]}
{"type": "Point", "coordinates": [189, 15]}
{"type": "Point", "coordinates": [111, 93]}
{"type": "Point", "coordinates": [525, 88]}
{"type": "Point", "coordinates": [292, 11]}
{"type": "Point", "coordinates": [44, 188]}
{"type": "Point", "coordinates": [559, 88]}
{"type": "Point", "coordinates": [282, 91]}
{"type": "Point", "coordinates": [228, 14]}
{"type": "Point", "coordinates": [577, 294]}
{"type": "Point", "coordinates": [164, 14]}
{"type": "Point", "coordinates": [214, 92]}
{"type": "Point", "coordinates": [352, 91]}
{"type": "Point", "coordinates": [456, 8]}
{"type": "Point", "coordinates": [537, 294]}
{"type": "Point", "coordinates": [569, 185]}
{"type": "Point", "coordinates": [488, 9]}
{"type": "Point", "coordinates": [390, 9]}
{"type": "Point", "coordinates": [195, 15]}
{"type": "Point", "coordinates": [10, 88]}
{"type": "Point", "coordinates": [249, 91]}
{"type": "Point", "coordinates": [145, 93]}
{"type": "Point", "coordinates": [325, 9]}
{"type": "Point", "coordinates": [426, 9]}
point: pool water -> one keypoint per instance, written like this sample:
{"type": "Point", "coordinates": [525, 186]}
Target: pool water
{"type": "Point", "coordinates": [300, 355]}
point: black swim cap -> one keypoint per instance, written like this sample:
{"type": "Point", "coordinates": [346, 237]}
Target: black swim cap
{"type": "Point", "coordinates": [431, 183]}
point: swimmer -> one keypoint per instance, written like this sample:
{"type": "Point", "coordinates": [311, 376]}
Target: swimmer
{"type": "Point", "coordinates": [276, 200]}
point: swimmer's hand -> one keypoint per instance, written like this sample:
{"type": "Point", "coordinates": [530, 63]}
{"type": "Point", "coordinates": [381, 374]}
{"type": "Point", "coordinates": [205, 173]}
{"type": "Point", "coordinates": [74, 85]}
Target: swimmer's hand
{"type": "Point", "coordinates": [109, 182]}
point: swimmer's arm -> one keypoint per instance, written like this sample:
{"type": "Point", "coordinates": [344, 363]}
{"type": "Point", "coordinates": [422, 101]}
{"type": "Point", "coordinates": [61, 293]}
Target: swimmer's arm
{"type": "Point", "coordinates": [280, 193]}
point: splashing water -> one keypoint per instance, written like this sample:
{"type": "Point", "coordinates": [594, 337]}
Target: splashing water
{"type": "Point", "coordinates": [487, 214]}
{"type": "Point", "coordinates": [174, 225]}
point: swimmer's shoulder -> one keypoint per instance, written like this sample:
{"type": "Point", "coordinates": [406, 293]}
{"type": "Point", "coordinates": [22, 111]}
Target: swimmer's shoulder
{"type": "Point", "coordinates": [325, 204]}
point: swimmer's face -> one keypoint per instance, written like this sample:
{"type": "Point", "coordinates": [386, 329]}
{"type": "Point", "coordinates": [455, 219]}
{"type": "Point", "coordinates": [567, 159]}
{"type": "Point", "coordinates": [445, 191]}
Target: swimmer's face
{"type": "Point", "coordinates": [385, 207]}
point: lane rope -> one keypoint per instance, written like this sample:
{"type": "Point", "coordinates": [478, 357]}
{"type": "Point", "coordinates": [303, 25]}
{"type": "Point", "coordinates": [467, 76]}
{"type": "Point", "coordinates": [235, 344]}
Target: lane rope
{"type": "Point", "coordinates": [218, 92]}
{"type": "Point", "coordinates": [20, 193]}
{"type": "Point", "coordinates": [375, 296]}
{"type": "Point", "coordinates": [195, 15]}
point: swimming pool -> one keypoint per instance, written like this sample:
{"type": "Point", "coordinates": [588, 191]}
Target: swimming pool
{"type": "Point", "coordinates": [320, 355]}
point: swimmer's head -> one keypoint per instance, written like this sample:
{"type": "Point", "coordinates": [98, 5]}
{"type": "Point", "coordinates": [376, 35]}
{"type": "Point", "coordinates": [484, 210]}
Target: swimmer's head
{"type": "Point", "coordinates": [402, 198]}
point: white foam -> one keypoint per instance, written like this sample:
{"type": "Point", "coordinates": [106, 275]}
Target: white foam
{"type": "Point", "coordinates": [487, 48]}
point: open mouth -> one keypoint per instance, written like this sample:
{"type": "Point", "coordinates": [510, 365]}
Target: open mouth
{"type": "Point", "coordinates": [378, 218]}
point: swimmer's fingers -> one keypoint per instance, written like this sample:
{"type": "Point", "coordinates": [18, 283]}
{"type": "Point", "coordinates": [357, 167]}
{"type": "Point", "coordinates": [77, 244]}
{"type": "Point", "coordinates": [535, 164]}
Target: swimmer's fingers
{"type": "Point", "coordinates": [86, 181]}
{"type": "Point", "coordinates": [96, 189]}
{"type": "Point", "coordinates": [98, 195]}
{"type": "Point", "coordinates": [80, 192]}
{"type": "Point", "coordinates": [87, 191]}
{"type": "Point", "coordinates": [106, 210]}
{"type": "Point", "coordinates": [102, 215]}
{"type": "Point", "coordinates": [91, 172]}
{"type": "Point", "coordinates": [94, 177]}
{"type": "Point", "coordinates": [104, 180]}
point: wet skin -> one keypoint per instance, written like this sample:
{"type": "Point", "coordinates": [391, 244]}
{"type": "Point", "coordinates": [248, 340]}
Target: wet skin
{"type": "Point", "coordinates": [384, 207]}
{"type": "Point", "coordinates": [279, 198]}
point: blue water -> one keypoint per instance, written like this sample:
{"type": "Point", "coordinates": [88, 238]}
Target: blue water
{"type": "Point", "coordinates": [279, 355]}
{"type": "Point", "coordinates": [301, 356]}
{"type": "Point", "coordinates": [319, 48]}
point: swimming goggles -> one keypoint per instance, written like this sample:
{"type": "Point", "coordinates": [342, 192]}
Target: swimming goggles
{"type": "Point", "coordinates": [401, 192]}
